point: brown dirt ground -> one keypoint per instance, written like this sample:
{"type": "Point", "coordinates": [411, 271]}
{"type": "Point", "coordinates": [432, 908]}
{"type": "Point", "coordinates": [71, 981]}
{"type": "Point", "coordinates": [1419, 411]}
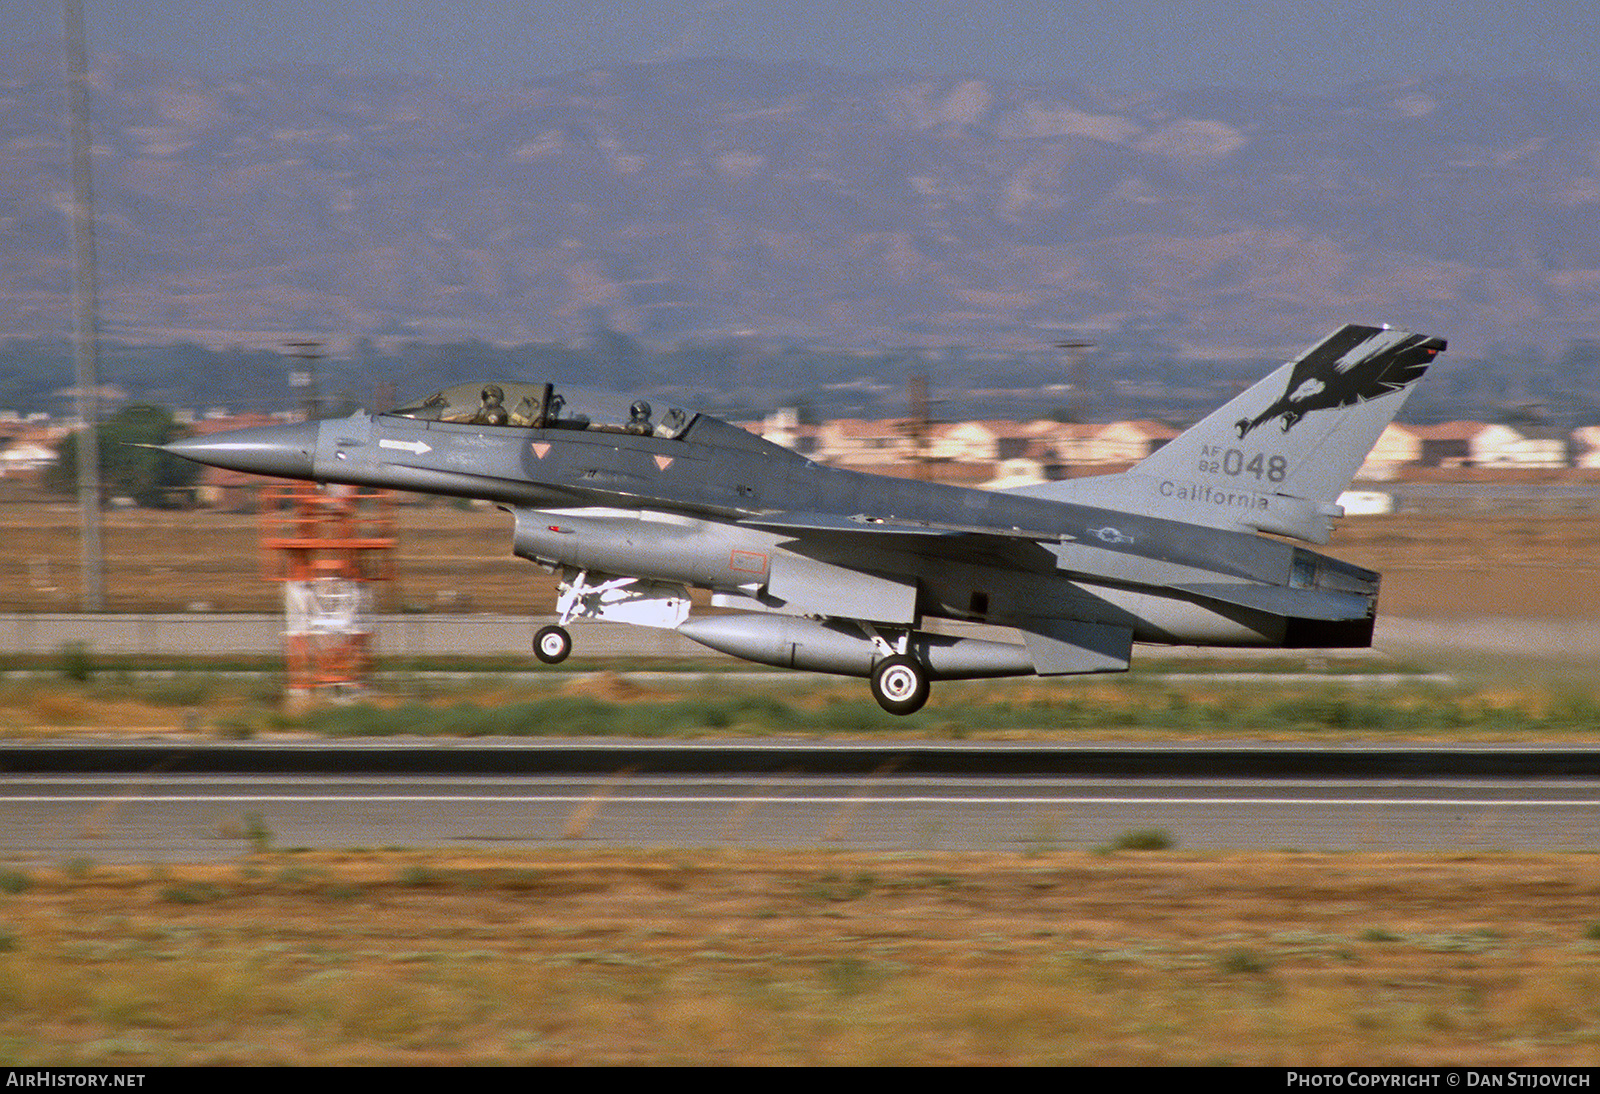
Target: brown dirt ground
{"type": "Point", "coordinates": [1542, 565]}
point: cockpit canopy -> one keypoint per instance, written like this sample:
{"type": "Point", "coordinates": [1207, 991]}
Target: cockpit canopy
{"type": "Point", "coordinates": [541, 406]}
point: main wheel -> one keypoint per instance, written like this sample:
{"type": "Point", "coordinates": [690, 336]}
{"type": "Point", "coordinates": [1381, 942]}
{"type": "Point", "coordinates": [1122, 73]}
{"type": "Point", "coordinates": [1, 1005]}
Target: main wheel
{"type": "Point", "coordinates": [552, 644]}
{"type": "Point", "coordinates": [900, 684]}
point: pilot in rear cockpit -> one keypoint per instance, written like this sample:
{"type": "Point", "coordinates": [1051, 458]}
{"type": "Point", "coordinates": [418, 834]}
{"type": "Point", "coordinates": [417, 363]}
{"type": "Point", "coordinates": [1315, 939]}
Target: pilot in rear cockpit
{"type": "Point", "coordinates": [491, 408]}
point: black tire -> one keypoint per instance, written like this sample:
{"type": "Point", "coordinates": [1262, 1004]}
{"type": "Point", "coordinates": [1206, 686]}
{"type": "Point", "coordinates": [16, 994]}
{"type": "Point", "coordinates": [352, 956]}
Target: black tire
{"type": "Point", "coordinates": [900, 684]}
{"type": "Point", "coordinates": [552, 644]}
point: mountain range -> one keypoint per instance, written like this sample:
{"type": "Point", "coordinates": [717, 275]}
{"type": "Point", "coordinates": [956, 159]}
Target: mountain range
{"type": "Point", "coordinates": [712, 198]}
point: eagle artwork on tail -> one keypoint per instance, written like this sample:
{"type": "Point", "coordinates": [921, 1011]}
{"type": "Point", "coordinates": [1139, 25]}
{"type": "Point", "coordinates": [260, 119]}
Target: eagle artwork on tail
{"type": "Point", "coordinates": [1364, 364]}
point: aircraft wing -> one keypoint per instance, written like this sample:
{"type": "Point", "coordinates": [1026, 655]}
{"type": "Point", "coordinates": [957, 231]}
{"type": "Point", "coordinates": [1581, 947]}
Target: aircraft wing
{"type": "Point", "coordinates": [890, 531]}
{"type": "Point", "coordinates": [849, 536]}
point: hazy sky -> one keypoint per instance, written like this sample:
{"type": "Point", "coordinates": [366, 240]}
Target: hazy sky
{"type": "Point", "coordinates": [1121, 44]}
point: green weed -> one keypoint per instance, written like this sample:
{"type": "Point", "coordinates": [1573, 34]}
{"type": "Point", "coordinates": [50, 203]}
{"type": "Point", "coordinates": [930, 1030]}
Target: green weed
{"type": "Point", "coordinates": [1143, 839]}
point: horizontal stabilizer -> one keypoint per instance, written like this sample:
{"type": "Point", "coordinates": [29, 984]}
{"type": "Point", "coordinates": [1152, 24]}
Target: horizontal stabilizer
{"type": "Point", "coordinates": [1279, 600]}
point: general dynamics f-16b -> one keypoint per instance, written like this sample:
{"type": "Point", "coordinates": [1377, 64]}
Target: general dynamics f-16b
{"type": "Point", "coordinates": [838, 571]}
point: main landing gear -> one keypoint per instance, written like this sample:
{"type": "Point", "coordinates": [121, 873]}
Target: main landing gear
{"type": "Point", "coordinates": [552, 644]}
{"type": "Point", "coordinates": [900, 684]}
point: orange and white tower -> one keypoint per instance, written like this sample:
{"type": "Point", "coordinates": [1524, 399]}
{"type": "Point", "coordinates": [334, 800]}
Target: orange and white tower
{"type": "Point", "coordinates": [327, 545]}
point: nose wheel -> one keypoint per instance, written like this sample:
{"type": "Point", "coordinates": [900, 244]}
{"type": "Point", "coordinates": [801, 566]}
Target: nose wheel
{"type": "Point", "coordinates": [900, 684]}
{"type": "Point", "coordinates": [552, 644]}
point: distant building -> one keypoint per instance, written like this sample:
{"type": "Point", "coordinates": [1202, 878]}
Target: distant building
{"type": "Point", "coordinates": [783, 426]}
{"type": "Point", "coordinates": [1449, 444]}
{"type": "Point", "coordinates": [982, 441]}
{"type": "Point", "coordinates": [29, 446]}
{"type": "Point", "coordinates": [1069, 445]}
{"type": "Point", "coordinates": [1016, 453]}
{"type": "Point", "coordinates": [1586, 446]}
{"type": "Point", "coordinates": [857, 441]}
{"type": "Point", "coordinates": [1520, 446]}
{"type": "Point", "coordinates": [25, 458]}
{"type": "Point", "coordinates": [1130, 442]}
{"type": "Point", "coordinates": [1021, 471]}
{"type": "Point", "coordinates": [1398, 446]}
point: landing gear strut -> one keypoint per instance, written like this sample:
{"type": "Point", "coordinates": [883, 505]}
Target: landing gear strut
{"type": "Point", "coordinates": [552, 644]}
{"type": "Point", "coordinates": [900, 684]}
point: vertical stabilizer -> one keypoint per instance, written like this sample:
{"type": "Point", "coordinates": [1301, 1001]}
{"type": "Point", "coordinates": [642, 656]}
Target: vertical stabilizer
{"type": "Point", "coordinates": [1277, 457]}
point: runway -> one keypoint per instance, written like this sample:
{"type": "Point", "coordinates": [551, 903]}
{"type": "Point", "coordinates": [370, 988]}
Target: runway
{"type": "Point", "coordinates": [47, 820]}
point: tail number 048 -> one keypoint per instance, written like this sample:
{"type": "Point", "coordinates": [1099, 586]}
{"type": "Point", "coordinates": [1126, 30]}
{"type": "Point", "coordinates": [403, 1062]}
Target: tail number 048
{"type": "Point", "coordinates": [1236, 464]}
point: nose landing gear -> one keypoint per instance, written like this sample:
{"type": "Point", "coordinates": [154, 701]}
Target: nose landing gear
{"type": "Point", "coordinates": [552, 644]}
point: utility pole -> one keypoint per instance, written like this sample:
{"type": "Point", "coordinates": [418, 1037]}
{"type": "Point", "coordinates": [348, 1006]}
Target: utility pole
{"type": "Point", "coordinates": [85, 307]}
{"type": "Point", "coordinates": [1075, 396]}
{"type": "Point", "coordinates": [918, 426]}
{"type": "Point", "coordinates": [305, 377]}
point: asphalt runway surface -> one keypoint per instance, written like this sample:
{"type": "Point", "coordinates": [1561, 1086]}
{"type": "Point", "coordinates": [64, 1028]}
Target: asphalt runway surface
{"type": "Point", "coordinates": [47, 820]}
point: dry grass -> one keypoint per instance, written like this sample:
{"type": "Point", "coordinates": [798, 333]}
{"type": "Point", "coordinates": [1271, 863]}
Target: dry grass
{"type": "Point", "coordinates": [1490, 707]}
{"type": "Point", "coordinates": [807, 958]}
{"type": "Point", "coordinates": [49, 707]}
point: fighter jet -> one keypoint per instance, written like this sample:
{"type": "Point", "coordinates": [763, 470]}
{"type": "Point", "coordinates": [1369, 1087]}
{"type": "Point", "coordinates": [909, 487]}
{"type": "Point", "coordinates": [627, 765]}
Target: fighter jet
{"type": "Point", "coordinates": [838, 571]}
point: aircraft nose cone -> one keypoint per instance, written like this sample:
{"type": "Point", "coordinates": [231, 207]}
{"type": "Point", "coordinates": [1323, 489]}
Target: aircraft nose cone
{"type": "Point", "coordinates": [284, 451]}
